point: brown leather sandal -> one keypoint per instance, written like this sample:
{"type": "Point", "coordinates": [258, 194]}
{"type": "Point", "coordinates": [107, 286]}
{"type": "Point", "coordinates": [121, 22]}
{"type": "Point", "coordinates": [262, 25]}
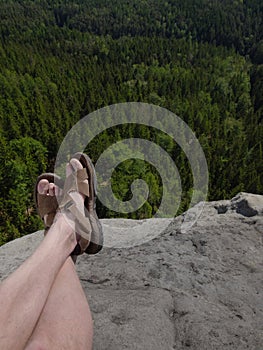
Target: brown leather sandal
{"type": "Point", "coordinates": [88, 226]}
{"type": "Point", "coordinates": [47, 205]}
{"type": "Point", "coordinates": [96, 242]}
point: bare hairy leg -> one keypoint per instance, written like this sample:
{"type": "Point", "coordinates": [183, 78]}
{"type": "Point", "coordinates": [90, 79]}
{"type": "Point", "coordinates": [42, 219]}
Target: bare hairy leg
{"type": "Point", "coordinates": [24, 293]}
{"type": "Point", "coordinates": [65, 322]}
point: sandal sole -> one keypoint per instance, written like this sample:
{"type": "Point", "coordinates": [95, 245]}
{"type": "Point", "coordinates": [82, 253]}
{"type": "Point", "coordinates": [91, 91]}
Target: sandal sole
{"type": "Point", "coordinates": [96, 242]}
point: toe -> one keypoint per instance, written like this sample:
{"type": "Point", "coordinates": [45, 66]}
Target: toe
{"type": "Point", "coordinates": [75, 164]}
{"type": "Point", "coordinates": [43, 186]}
{"type": "Point", "coordinates": [47, 188]}
{"type": "Point", "coordinates": [52, 189]}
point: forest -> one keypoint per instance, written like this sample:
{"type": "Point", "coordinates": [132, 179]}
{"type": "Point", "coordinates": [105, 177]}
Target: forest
{"type": "Point", "coordinates": [61, 60]}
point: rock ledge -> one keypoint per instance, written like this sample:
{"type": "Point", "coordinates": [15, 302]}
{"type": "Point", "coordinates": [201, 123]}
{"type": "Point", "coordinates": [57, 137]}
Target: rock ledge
{"type": "Point", "coordinates": [196, 290]}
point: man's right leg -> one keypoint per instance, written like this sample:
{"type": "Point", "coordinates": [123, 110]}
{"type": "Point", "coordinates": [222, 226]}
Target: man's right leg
{"type": "Point", "coordinates": [65, 322]}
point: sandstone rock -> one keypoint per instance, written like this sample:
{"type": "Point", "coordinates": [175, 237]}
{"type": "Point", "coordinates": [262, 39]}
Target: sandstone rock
{"type": "Point", "coordinates": [197, 290]}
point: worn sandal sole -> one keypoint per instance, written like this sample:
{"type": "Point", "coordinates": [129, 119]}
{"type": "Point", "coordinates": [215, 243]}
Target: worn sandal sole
{"type": "Point", "coordinates": [96, 242]}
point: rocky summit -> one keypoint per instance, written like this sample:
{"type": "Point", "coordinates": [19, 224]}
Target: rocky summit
{"type": "Point", "coordinates": [197, 289]}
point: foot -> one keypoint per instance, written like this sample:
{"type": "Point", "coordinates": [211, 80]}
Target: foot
{"type": "Point", "coordinates": [72, 167]}
{"type": "Point", "coordinates": [46, 188]}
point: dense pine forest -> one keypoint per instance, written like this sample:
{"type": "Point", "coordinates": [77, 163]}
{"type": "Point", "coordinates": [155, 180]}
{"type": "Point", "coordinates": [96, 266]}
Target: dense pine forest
{"type": "Point", "coordinates": [60, 60]}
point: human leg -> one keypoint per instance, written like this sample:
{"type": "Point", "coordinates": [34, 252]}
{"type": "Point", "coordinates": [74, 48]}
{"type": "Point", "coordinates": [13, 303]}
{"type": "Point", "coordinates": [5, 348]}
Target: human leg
{"type": "Point", "coordinates": [65, 322]}
{"type": "Point", "coordinates": [24, 293]}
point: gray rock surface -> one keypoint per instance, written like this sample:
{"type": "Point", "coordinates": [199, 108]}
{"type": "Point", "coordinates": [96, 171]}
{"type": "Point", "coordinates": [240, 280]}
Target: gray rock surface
{"type": "Point", "coordinates": [196, 290]}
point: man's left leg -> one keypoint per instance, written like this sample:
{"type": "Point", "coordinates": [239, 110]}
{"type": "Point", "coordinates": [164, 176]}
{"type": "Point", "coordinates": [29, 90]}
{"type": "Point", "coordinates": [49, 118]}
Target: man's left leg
{"type": "Point", "coordinates": [65, 322]}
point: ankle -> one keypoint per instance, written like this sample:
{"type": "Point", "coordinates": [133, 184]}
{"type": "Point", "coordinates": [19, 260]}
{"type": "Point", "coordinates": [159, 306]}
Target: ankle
{"type": "Point", "coordinates": [63, 233]}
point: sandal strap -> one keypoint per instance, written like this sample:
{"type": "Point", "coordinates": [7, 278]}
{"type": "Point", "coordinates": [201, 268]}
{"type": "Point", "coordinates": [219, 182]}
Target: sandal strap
{"type": "Point", "coordinates": [75, 183]}
{"type": "Point", "coordinates": [82, 222]}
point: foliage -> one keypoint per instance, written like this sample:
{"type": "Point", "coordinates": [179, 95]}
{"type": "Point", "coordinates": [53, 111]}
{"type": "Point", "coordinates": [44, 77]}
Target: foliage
{"type": "Point", "coordinates": [60, 60]}
{"type": "Point", "coordinates": [24, 159]}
